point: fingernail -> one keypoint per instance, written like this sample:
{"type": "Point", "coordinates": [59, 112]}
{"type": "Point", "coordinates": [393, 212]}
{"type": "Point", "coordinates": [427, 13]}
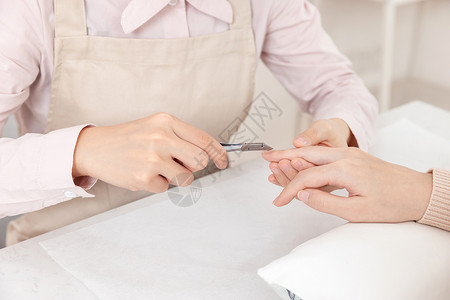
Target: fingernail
{"type": "Point", "coordinates": [302, 141]}
{"type": "Point", "coordinates": [276, 170]}
{"type": "Point", "coordinates": [303, 196]}
{"type": "Point", "coordinates": [275, 202]}
{"type": "Point", "coordinates": [222, 164]}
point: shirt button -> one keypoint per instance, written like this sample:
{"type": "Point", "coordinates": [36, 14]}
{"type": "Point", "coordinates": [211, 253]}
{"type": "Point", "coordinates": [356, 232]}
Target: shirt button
{"type": "Point", "coordinates": [70, 194]}
{"type": "Point", "coordinates": [173, 2]}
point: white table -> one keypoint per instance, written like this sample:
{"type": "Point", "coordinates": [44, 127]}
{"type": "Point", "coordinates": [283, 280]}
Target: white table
{"type": "Point", "coordinates": [28, 271]}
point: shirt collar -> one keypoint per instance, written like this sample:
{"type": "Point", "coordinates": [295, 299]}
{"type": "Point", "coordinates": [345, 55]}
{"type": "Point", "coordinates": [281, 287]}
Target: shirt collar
{"type": "Point", "coordinates": [139, 12]}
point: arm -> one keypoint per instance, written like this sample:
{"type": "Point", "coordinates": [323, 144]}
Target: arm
{"type": "Point", "coordinates": [39, 170]}
{"type": "Point", "coordinates": [35, 170]}
{"type": "Point", "coordinates": [305, 60]}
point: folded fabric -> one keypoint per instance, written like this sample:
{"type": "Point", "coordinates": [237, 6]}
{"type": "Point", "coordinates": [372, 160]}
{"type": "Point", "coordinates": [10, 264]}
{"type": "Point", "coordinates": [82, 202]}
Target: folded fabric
{"type": "Point", "coordinates": [366, 261]}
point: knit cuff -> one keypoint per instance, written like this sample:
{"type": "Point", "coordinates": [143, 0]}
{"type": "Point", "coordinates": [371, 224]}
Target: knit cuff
{"type": "Point", "coordinates": [438, 211]}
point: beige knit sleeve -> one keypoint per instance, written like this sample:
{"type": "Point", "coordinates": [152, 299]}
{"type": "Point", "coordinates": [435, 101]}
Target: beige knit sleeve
{"type": "Point", "coordinates": [438, 211]}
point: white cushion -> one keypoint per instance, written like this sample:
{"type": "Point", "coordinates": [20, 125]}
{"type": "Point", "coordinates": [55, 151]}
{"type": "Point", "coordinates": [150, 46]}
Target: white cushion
{"type": "Point", "coordinates": [366, 261]}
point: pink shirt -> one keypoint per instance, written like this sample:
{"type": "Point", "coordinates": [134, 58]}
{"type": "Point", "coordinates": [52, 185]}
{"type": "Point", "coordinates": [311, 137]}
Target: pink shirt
{"type": "Point", "coordinates": [35, 170]}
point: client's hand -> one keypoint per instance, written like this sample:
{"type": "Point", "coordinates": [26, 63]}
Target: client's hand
{"type": "Point", "coordinates": [378, 191]}
{"type": "Point", "coordinates": [327, 132]}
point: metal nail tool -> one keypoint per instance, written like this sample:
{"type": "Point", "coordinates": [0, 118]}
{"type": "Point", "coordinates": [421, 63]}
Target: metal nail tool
{"type": "Point", "coordinates": [246, 147]}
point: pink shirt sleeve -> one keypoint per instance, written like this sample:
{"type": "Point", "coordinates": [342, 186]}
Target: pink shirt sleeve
{"type": "Point", "coordinates": [36, 169]}
{"type": "Point", "coordinates": [438, 211]}
{"type": "Point", "coordinates": [306, 61]}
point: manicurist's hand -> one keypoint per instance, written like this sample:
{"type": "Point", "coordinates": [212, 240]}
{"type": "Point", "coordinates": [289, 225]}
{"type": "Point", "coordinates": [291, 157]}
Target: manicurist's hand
{"type": "Point", "coordinates": [378, 191]}
{"type": "Point", "coordinates": [329, 133]}
{"type": "Point", "coordinates": [146, 154]}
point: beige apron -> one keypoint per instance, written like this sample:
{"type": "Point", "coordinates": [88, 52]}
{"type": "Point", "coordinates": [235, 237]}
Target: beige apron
{"type": "Point", "coordinates": [206, 81]}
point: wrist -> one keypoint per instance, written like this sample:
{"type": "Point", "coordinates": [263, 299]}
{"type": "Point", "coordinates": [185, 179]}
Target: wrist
{"type": "Point", "coordinates": [423, 194]}
{"type": "Point", "coordinates": [80, 155]}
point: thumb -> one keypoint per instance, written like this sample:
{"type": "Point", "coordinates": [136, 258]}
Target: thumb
{"type": "Point", "coordinates": [326, 202]}
{"type": "Point", "coordinates": [310, 137]}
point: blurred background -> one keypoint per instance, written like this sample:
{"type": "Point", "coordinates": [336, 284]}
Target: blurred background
{"type": "Point", "coordinates": [419, 41]}
{"type": "Point", "coordinates": [400, 48]}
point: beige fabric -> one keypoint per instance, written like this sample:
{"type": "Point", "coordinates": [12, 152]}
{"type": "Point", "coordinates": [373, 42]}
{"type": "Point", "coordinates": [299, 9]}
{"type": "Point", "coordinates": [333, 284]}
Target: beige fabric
{"type": "Point", "coordinates": [438, 211]}
{"type": "Point", "coordinates": [206, 81]}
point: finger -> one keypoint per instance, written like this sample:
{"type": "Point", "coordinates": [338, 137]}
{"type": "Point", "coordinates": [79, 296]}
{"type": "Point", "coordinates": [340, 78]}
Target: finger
{"type": "Point", "coordinates": [300, 164]}
{"type": "Point", "coordinates": [176, 174]}
{"type": "Point", "coordinates": [328, 203]}
{"type": "Point", "coordinates": [311, 178]}
{"type": "Point", "coordinates": [314, 135]}
{"type": "Point", "coordinates": [202, 140]}
{"type": "Point", "coordinates": [326, 132]}
{"type": "Point", "coordinates": [315, 155]}
{"type": "Point", "coordinates": [273, 180]}
{"type": "Point", "coordinates": [282, 179]}
{"type": "Point", "coordinates": [191, 156]}
{"type": "Point", "coordinates": [277, 155]}
{"type": "Point", "coordinates": [157, 185]}
{"type": "Point", "coordinates": [288, 169]}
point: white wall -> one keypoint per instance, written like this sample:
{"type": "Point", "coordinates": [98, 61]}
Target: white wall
{"type": "Point", "coordinates": [432, 58]}
{"type": "Point", "coordinates": [355, 26]}
{"type": "Point", "coordinates": [422, 45]}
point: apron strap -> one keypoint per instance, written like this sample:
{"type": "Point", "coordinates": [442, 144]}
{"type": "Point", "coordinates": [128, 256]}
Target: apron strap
{"type": "Point", "coordinates": [242, 10]}
{"type": "Point", "coordinates": [70, 18]}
